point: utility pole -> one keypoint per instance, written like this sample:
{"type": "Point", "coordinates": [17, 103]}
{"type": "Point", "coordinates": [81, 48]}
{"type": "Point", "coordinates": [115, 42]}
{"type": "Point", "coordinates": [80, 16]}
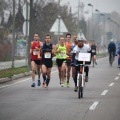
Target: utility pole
{"type": "Point", "coordinates": [30, 31]}
{"type": "Point", "coordinates": [13, 33]}
{"type": "Point", "coordinates": [58, 19]}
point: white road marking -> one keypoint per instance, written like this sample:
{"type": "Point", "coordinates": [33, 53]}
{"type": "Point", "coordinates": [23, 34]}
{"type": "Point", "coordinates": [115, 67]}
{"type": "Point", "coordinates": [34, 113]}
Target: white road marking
{"type": "Point", "coordinates": [111, 84]}
{"type": "Point", "coordinates": [116, 78]}
{"type": "Point", "coordinates": [22, 81]}
{"type": "Point", "coordinates": [93, 106]}
{"type": "Point", "coordinates": [15, 83]}
{"type": "Point", "coordinates": [104, 92]}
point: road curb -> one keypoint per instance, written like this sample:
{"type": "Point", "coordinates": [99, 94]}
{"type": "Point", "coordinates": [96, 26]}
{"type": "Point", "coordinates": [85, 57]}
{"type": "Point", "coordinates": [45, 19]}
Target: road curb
{"type": "Point", "coordinates": [14, 77]}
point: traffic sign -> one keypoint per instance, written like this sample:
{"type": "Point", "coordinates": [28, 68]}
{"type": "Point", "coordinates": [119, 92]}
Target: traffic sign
{"type": "Point", "coordinates": [54, 28]}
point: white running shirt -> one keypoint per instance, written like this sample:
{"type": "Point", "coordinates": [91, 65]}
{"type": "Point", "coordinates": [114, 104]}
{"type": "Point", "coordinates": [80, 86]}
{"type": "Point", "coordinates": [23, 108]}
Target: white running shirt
{"type": "Point", "coordinates": [85, 49]}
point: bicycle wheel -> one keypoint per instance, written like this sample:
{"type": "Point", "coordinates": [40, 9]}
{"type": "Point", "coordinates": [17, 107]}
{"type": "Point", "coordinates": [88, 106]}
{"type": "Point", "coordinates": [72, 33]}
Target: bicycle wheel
{"type": "Point", "coordinates": [80, 90]}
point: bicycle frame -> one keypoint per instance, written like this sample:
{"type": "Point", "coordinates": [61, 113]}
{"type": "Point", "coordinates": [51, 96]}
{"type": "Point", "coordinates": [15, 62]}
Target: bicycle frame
{"type": "Point", "coordinates": [111, 58]}
{"type": "Point", "coordinates": [81, 80]}
{"type": "Point", "coordinates": [82, 73]}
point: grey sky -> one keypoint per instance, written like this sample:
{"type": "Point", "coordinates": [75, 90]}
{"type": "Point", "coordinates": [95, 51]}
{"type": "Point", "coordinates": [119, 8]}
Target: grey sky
{"type": "Point", "coordinates": [105, 6]}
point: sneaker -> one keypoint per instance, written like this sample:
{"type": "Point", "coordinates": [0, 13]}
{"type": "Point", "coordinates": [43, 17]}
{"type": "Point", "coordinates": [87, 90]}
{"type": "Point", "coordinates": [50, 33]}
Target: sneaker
{"type": "Point", "coordinates": [86, 78]}
{"type": "Point", "coordinates": [43, 85]}
{"type": "Point", "coordinates": [67, 84]}
{"type": "Point", "coordinates": [33, 85]}
{"type": "Point", "coordinates": [76, 88]}
{"type": "Point", "coordinates": [62, 85]}
{"type": "Point", "coordinates": [39, 83]}
{"type": "Point", "coordinates": [46, 86]}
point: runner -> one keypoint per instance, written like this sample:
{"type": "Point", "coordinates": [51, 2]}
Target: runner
{"type": "Point", "coordinates": [35, 58]}
{"type": "Point", "coordinates": [94, 52]}
{"type": "Point", "coordinates": [61, 60]}
{"type": "Point", "coordinates": [48, 50]}
{"type": "Point", "coordinates": [73, 67]}
{"type": "Point", "coordinates": [68, 44]}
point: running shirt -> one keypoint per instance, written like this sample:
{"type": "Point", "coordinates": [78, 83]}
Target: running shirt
{"type": "Point", "coordinates": [93, 49]}
{"type": "Point", "coordinates": [47, 52]}
{"type": "Point", "coordinates": [68, 48]}
{"type": "Point", "coordinates": [62, 54]}
{"type": "Point", "coordinates": [34, 54]}
{"type": "Point", "coordinates": [84, 49]}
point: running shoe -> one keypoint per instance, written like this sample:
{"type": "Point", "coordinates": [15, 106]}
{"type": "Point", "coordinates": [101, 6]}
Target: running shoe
{"type": "Point", "coordinates": [67, 84]}
{"type": "Point", "coordinates": [39, 83]}
{"type": "Point", "coordinates": [33, 85]}
{"type": "Point", "coordinates": [86, 78]}
{"type": "Point", "coordinates": [43, 85]}
{"type": "Point", "coordinates": [76, 88]}
{"type": "Point", "coordinates": [46, 86]}
{"type": "Point", "coordinates": [62, 84]}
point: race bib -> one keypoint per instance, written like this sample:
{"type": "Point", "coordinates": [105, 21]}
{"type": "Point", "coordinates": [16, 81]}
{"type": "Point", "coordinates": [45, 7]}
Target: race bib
{"type": "Point", "coordinates": [47, 55]}
{"type": "Point", "coordinates": [35, 52]}
{"type": "Point", "coordinates": [93, 51]}
{"type": "Point", "coordinates": [62, 54]}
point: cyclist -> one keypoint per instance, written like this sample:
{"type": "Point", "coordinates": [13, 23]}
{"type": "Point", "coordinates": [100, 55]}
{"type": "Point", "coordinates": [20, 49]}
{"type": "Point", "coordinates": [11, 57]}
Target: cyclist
{"type": "Point", "coordinates": [111, 49]}
{"type": "Point", "coordinates": [35, 58]}
{"type": "Point", "coordinates": [48, 50]}
{"type": "Point", "coordinates": [68, 44]}
{"type": "Point", "coordinates": [80, 48]}
{"type": "Point", "coordinates": [61, 60]}
{"type": "Point", "coordinates": [93, 52]}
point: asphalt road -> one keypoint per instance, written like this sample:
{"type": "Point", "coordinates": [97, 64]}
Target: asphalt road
{"type": "Point", "coordinates": [101, 101]}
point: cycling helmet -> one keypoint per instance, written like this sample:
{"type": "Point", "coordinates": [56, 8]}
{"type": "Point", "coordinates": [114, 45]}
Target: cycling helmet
{"type": "Point", "coordinates": [111, 40]}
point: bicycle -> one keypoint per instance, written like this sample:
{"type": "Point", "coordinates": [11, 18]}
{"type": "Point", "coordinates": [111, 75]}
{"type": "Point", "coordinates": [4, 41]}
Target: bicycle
{"type": "Point", "coordinates": [85, 57]}
{"type": "Point", "coordinates": [111, 58]}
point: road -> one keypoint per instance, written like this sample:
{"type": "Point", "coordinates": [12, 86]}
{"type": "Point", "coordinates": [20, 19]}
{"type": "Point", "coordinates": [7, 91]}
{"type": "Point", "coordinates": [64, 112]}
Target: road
{"type": "Point", "coordinates": [101, 101]}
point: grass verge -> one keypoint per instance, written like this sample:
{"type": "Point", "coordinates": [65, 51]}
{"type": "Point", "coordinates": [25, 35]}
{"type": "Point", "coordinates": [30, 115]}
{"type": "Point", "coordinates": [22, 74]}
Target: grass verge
{"type": "Point", "coordinates": [12, 71]}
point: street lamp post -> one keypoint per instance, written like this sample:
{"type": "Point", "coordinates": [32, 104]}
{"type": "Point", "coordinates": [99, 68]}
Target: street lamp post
{"type": "Point", "coordinates": [98, 24]}
{"type": "Point", "coordinates": [13, 31]}
{"type": "Point", "coordinates": [92, 20]}
{"type": "Point", "coordinates": [58, 19]}
{"type": "Point", "coordinates": [104, 30]}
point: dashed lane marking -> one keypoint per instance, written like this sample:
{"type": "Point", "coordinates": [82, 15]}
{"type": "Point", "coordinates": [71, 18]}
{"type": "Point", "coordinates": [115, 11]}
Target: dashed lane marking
{"type": "Point", "coordinates": [104, 92]}
{"type": "Point", "coordinates": [116, 78]}
{"type": "Point", "coordinates": [111, 84]}
{"type": "Point", "coordinates": [94, 105]}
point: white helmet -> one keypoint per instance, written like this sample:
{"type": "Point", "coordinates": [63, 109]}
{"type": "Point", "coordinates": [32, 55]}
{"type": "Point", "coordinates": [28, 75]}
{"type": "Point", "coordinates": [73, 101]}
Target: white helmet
{"type": "Point", "coordinates": [111, 40]}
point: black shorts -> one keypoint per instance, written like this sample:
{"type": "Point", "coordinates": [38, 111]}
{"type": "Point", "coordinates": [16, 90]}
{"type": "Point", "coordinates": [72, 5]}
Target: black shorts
{"type": "Point", "coordinates": [48, 64]}
{"type": "Point", "coordinates": [92, 54]}
{"type": "Point", "coordinates": [38, 62]}
{"type": "Point", "coordinates": [60, 62]}
{"type": "Point", "coordinates": [68, 62]}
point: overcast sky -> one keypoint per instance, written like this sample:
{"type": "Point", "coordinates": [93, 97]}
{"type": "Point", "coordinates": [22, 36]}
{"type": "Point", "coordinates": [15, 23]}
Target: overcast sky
{"type": "Point", "coordinates": [104, 6]}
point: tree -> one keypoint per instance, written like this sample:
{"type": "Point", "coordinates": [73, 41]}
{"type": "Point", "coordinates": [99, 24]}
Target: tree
{"type": "Point", "coordinates": [19, 19]}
